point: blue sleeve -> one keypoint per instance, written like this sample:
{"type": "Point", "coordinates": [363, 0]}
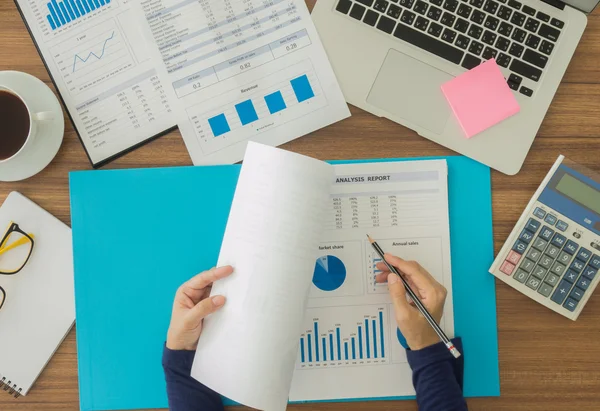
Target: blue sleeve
{"type": "Point", "coordinates": [184, 392]}
{"type": "Point", "coordinates": [438, 377]}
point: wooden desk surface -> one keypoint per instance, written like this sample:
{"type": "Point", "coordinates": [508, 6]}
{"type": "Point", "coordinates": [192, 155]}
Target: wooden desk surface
{"type": "Point", "coordinates": [547, 362]}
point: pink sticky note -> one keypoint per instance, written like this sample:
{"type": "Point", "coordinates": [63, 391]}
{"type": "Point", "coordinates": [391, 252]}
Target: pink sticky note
{"type": "Point", "coordinates": [480, 98]}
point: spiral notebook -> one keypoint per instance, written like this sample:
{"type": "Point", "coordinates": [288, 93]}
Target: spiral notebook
{"type": "Point", "coordinates": [38, 309]}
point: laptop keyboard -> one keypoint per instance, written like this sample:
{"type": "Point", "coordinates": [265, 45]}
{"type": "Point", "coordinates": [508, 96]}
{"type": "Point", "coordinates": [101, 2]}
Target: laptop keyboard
{"type": "Point", "coordinates": [467, 32]}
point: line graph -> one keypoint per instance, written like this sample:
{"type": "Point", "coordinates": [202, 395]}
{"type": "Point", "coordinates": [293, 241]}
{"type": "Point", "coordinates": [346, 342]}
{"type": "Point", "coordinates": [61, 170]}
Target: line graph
{"type": "Point", "coordinates": [92, 57]}
{"type": "Point", "coordinates": [84, 60]}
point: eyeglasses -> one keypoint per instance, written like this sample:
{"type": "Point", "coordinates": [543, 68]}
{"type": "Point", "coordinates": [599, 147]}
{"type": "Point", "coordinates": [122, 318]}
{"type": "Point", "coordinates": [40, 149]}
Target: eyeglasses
{"type": "Point", "coordinates": [15, 250]}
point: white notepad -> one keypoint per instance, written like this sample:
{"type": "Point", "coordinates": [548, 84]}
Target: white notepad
{"type": "Point", "coordinates": [39, 309]}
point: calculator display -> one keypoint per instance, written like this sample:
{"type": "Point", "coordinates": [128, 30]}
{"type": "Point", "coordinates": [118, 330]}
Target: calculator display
{"type": "Point", "coordinates": [579, 191]}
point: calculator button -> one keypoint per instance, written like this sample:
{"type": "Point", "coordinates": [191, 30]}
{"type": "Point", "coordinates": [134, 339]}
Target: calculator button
{"type": "Point", "coordinates": [533, 225]}
{"type": "Point", "coordinates": [564, 258]}
{"type": "Point", "coordinates": [559, 240]}
{"type": "Point", "coordinates": [546, 261]}
{"type": "Point", "coordinates": [527, 265]}
{"type": "Point", "coordinates": [526, 236]}
{"type": "Point", "coordinates": [571, 276]}
{"type": "Point", "coordinates": [520, 247]}
{"type": "Point", "coordinates": [551, 279]}
{"type": "Point", "coordinates": [571, 304]}
{"type": "Point", "coordinates": [571, 247]}
{"type": "Point", "coordinates": [551, 219]}
{"type": "Point", "coordinates": [540, 244]}
{"type": "Point", "coordinates": [590, 272]}
{"type": "Point", "coordinates": [533, 283]}
{"type": "Point", "coordinates": [595, 261]}
{"type": "Point", "coordinates": [561, 292]}
{"type": "Point", "coordinates": [513, 257]}
{"type": "Point", "coordinates": [561, 225]}
{"type": "Point", "coordinates": [558, 269]}
{"type": "Point", "coordinates": [584, 255]}
{"type": "Point", "coordinates": [583, 283]}
{"type": "Point", "coordinates": [521, 276]}
{"type": "Point", "coordinates": [552, 251]}
{"type": "Point", "coordinates": [546, 233]}
{"type": "Point", "coordinates": [545, 289]}
{"type": "Point", "coordinates": [539, 213]}
{"type": "Point", "coordinates": [533, 254]}
{"type": "Point", "coordinates": [539, 272]}
{"type": "Point", "coordinates": [577, 266]}
{"type": "Point", "coordinates": [507, 268]}
{"type": "Point", "coordinates": [576, 294]}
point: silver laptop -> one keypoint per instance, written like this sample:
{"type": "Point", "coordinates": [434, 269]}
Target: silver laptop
{"type": "Point", "coordinates": [391, 56]}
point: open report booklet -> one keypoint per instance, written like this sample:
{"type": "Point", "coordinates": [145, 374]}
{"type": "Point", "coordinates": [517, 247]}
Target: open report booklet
{"type": "Point", "coordinates": [304, 318]}
{"type": "Point", "coordinates": [224, 71]}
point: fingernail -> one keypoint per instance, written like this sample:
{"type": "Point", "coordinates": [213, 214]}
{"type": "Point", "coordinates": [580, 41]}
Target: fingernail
{"type": "Point", "coordinates": [218, 300]}
{"type": "Point", "coordinates": [392, 278]}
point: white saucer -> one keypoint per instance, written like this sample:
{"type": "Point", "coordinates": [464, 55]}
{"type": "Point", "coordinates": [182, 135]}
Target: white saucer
{"type": "Point", "coordinates": [50, 133]}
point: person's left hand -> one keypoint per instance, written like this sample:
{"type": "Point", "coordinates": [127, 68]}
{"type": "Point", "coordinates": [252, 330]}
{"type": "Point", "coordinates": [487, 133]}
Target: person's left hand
{"type": "Point", "coordinates": [192, 304]}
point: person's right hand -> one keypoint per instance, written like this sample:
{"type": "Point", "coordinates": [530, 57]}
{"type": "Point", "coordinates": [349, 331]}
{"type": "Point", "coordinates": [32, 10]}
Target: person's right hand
{"type": "Point", "coordinates": [415, 328]}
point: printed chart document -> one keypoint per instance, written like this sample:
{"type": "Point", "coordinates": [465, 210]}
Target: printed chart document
{"type": "Point", "coordinates": [100, 64]}
{"type": "Point", "coordinates": [241, 70]}
{"type": "Point", "coordinates": [349, 346]}
{"type": "Point", "coordinates": [248, 348]}
{"type": "Point", "coordinates": [303, 298]}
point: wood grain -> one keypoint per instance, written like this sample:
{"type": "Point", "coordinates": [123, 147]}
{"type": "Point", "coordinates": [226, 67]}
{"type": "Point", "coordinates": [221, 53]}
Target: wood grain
{"type": "Point", "coordinates": [547, 363]}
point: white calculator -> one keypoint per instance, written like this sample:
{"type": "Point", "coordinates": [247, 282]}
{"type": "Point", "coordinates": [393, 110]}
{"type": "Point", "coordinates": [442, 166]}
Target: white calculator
{"type": "Point", "coordinates": [553, 253]}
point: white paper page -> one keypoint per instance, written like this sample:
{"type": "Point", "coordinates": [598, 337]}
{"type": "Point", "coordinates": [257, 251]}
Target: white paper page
{"type": "Point", "coordinates": [99, 61]}
{"type": "Point", "coordinates": [241, 70]}
{"type": "Point", "coordinates": [404, 207]}
{"type": "Point", "coordinates": [40, 305]}
{"type": "Point", "coordinates": [248, 348]}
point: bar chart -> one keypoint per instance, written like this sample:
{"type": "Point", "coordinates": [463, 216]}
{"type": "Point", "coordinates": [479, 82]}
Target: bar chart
{"type": "Point", "coordinates": [61, 13]}
{"type": "Point", "coordinates": [253, 106]}
{"type": "Point", "coordinates": [415, 249]}
{"type": "Point", "coordinates": [246, 111]}
{"type": "Point", "coordinates": [360, 339]}
{"type": "Point", "coordinates": [374, 286]}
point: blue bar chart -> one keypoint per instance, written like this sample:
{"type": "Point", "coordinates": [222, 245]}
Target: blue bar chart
{"type": "Point", "coordinates": [302, 88]}
{"type": "Point", "coordinates": [246, 112]}
{"type": "Point", "coordinates": [219, 125]}
{"type": "Point", "coordinates": [63, 12]}
{"type": "Point", "coordinates": [275, 102]}
{"type": "Point", "coordinates": [373, 286]}
{"type": "Point", "coordinates": [346, 343]}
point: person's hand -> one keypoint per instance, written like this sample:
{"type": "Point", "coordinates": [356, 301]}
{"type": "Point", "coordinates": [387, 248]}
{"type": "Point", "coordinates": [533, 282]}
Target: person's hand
{"type": "Point", "coordinates": [192, 304]}
{"type": "Point", "coordinates": [415, 328]}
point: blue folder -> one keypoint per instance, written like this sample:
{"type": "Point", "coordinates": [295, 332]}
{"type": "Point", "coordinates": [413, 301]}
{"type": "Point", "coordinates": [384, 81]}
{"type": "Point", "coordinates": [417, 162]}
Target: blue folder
{"type": "Point", "coordinates": [139, 234]}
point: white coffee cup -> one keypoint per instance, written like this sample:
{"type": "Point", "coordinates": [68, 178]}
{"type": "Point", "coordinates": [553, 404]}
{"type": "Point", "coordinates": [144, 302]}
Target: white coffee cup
{"type": "Point", "coordinates": [34, 119]}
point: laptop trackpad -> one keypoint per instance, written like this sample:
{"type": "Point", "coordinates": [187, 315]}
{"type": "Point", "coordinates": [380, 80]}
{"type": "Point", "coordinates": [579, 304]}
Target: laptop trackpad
{"type": "Point", "coordinates": [410, 89]}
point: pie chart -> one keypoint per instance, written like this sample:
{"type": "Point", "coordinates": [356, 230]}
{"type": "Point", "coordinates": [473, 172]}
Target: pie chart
{"type": "Point", "coordinates": [401, 339]}
{"type": "Point", "coordinates": [330, 273]}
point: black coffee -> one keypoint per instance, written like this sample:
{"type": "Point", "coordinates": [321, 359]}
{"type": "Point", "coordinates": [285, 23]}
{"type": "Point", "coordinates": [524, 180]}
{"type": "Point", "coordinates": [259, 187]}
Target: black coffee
{"type": "Point", "coordinates": [14, 124]}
